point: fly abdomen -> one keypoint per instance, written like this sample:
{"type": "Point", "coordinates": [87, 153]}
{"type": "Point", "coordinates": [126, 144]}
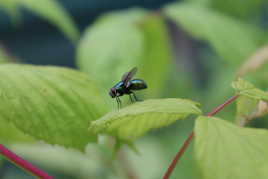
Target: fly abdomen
{"type": "Point", "coordinates": [137, 84]}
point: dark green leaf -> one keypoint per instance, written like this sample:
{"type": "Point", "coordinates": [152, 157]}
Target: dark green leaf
{"type": "Point", "coordinates": [12, 9]}
{"type": "Point", "coordinates": [48, 9]}
{"type": "Point", "coordinates": [231, 39]}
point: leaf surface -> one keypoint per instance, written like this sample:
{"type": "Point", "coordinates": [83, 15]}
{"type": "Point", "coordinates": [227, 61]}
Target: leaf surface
{"type": "Point", "coordinates": [230, 38]}
{"type": "Point", "coordinates": [245, 88]}
{"type": "Point", "coordinates": [49, 103]}
{"type": "Point", "coordinates": [225, 151]}
{"type": "Point", "coordinates": [135, 120]}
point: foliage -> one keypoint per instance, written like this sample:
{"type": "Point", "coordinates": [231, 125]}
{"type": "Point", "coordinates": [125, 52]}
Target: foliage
{"type": "Point", "coordinates": [47, 9]}
{"type": "Point", "coordinates": [220, 144]}
{"type": "Point", "coordinates": [133, 121]}
{"type": "Point", "coordinates": [71, 109]}
{"type": "Point", "coordinates": [233, 44]}
{"type": "Point", "coordinates": [54, 106]}
{"type": "Point", "coordinates": [145, 35]}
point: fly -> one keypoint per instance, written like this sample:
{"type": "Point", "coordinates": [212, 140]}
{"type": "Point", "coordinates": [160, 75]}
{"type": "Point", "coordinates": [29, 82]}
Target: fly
{"type": "Point", "coordinates": [126, 86]}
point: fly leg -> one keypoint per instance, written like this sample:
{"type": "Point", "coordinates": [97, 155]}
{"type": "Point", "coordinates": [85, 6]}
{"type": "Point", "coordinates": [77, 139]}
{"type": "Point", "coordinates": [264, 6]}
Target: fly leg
{"type": "Point", "coordinates": [130, 98]}
{"type": "Point", "coordinates": [135, 97]}
{"type": "Point", "coordinates": [118, 102]}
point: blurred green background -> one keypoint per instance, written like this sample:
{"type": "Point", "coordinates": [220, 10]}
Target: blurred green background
{"type": "Point", "coordinates": [184, 49]}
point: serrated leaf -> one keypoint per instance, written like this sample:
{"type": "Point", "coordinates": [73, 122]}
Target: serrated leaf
{"type": "Point", "coordinates": [225, 151]}
{"type": "Point", "coordinates": [135, 120]}
{"type": "Point", "coordinates": [247, 89]}
{"type": "Point", "coordinates": [52, 11]}
{"type": "Point", "coordinates": [231, 39]}
{"type": "Point", "coordinates": [107, 48]}
{"type": "Point", "coordinates": [49, 103]}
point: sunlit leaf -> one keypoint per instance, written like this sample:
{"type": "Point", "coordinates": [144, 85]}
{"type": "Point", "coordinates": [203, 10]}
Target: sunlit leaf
{"type": "Point", "coordinates": [225, 151]}
{"type": "Point", "coordinates": [247, 89]}
{"type": "Point", "coordinates": [135, 120]}
{"type": "Point", "coordinates": [231, 39]}
{"type": "Point", "coordinates": [49, 103]}
{"type": "Point", "coordinates": [54, 13]}
{"type": "Point", "coordinates": [249, 104]}
{"type": "Point", "coordinates": [10, 134]}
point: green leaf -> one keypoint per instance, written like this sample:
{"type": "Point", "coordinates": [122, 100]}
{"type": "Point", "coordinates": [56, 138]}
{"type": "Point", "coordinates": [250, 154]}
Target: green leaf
{"type": "Point", "coordinates": [10, 134]}
{"type": "Point", "coordinates": [231, 39]}
{"type": "Point", "coordinates": [49, 103]}
{"type": "Point", "coordinates": [107, 48]}
{"type": "Point", "coordinates": [246, 109]}
{"type": "Point", "coordinates": [61, 160]}
{"type": "Point", "coordinates": [52, 11]}
{"type": "Point", "coordinates": [225, 151]}
{"type": "Point", "coordinates": [135, 120]}
{"type": "Point", "coordinates": [12, 9]}
{"type": "Point", "coordinates": [247, 89]}
{"type": "Point", "coordinates": [240, 9]}
{"type": "Point", "coordinates": [110, 47]}
{"type": "Point", "coordinates": [157, 51]}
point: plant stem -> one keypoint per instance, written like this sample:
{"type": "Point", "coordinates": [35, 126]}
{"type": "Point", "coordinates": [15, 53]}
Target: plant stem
{"type": "Point", "coordinates": [191, 136]}
{"type": "Point", "coordinates": [126, 165]}
{"type": "Point", "coordinates": [23, 163]}
{"type": "Point", "coordinates": [220, 107]}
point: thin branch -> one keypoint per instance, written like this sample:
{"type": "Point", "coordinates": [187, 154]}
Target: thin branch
{"type": "Point", "coordinates": [28, 167]}
{"type": "Point", "coordinates": [220, 107]}
{"type": "Point", "coordinates": [191, 136]}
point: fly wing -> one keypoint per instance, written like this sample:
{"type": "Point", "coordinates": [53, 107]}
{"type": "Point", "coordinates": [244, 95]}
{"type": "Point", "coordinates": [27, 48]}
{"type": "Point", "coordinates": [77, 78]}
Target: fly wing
{"type": "Point", "coordinates": [129, 75]}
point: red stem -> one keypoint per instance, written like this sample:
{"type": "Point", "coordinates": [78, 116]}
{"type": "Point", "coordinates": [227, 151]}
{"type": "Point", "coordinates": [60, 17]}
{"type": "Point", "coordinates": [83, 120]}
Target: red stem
{"type": "Point", "coordinates": [191, 136]}
{"type": "Point", "coordinates": [23, 163]}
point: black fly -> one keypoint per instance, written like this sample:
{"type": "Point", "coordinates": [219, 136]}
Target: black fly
{"type": "Point", "coordinates": [127, 86]}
